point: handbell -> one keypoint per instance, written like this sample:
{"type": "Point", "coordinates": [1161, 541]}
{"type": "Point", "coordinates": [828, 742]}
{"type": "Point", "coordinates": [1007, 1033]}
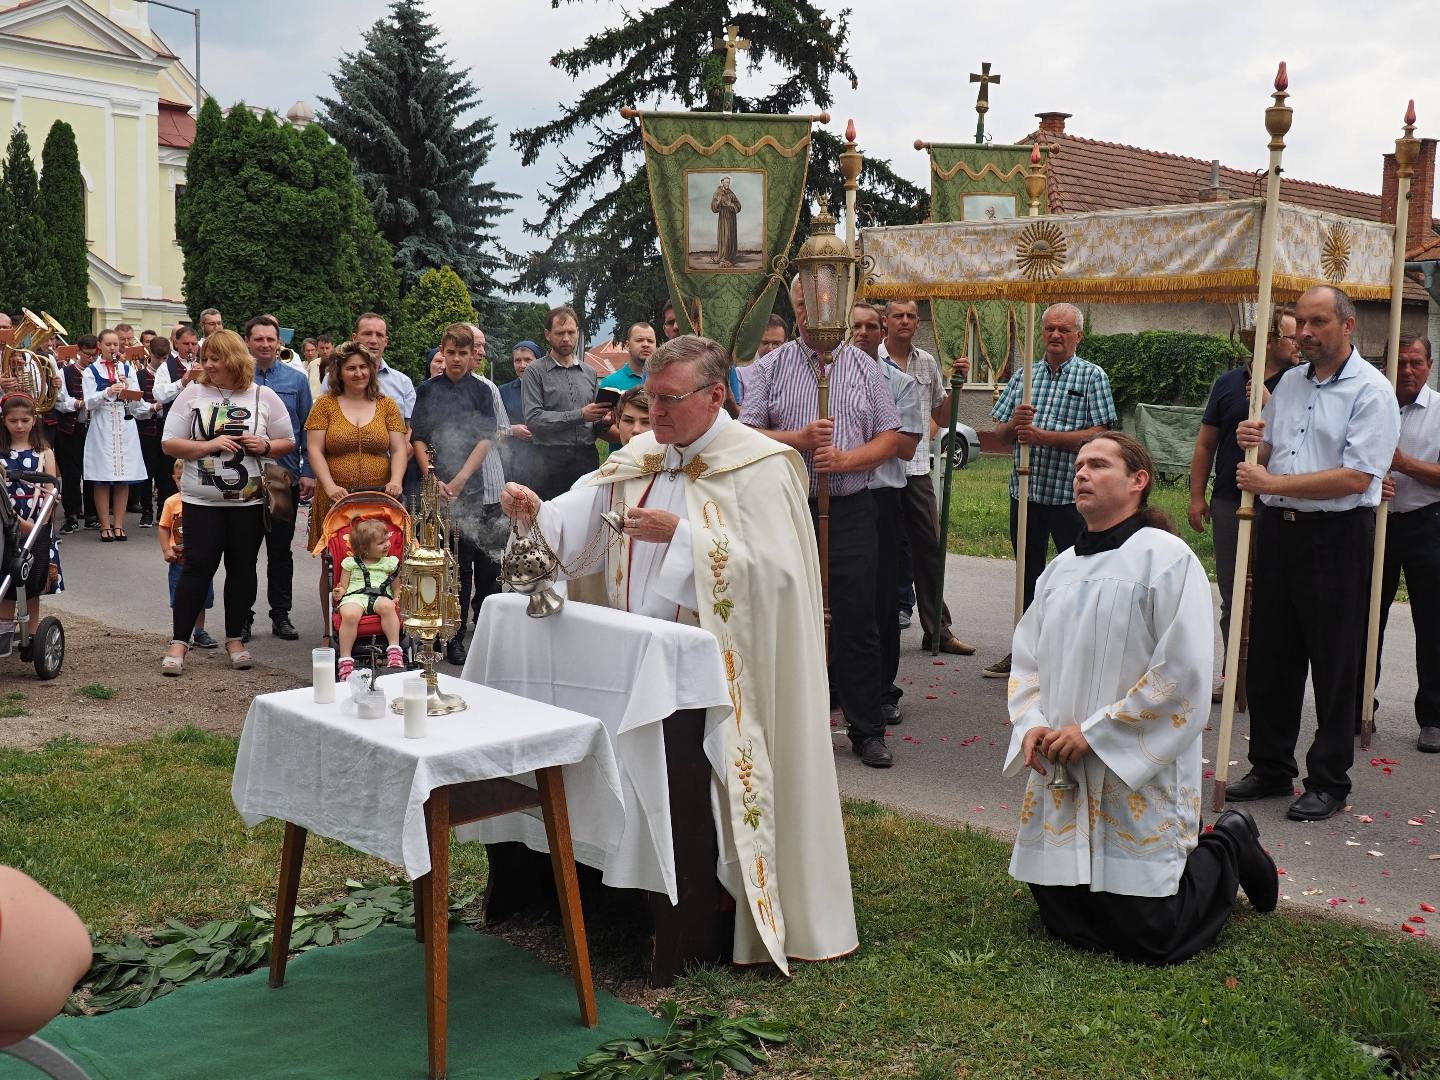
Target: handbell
{"type": "Point", "coordinates": [615, 519]}
{"type": "Point", "coordinates": [1062, 780]}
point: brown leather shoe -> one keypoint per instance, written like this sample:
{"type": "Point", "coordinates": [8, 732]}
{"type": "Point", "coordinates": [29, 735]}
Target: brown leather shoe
{"type": "Point", "coordinates": [956, 647]}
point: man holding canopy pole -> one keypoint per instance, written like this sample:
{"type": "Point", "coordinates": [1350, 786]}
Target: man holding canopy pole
{"type": "Point", "coordinates": [1326, 440]}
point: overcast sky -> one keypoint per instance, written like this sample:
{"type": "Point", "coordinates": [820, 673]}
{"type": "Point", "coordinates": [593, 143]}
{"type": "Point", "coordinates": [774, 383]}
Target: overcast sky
{"type": "Point", "coordinates": [1189, 79]}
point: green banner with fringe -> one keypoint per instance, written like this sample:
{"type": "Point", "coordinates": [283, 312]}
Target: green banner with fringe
{"type": "Point", "coordinates": [726, 192]}
{"type": "Point", "coordinates": [979, 183]}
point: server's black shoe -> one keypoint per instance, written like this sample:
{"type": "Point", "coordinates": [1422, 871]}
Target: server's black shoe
{"type": "Point", "coordinates": [1253, 786]}
{"type": "Point", "coordinates": [283, 628]}
{"type": "Point", "coordinates": [455, 651]}
{"type": "Point", "coordinates": [890, 714]}
{"type": "Point", "coordinates": [875, 753]}
{"type": "Point", "coordinates": [1315, 806]}
{"type": "Point", "coordinates": [1258, 876]}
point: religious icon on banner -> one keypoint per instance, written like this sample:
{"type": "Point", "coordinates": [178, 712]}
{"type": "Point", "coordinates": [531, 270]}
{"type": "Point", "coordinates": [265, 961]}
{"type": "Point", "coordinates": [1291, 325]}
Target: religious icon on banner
{"type": "Point", "coordinates": [725, 220]}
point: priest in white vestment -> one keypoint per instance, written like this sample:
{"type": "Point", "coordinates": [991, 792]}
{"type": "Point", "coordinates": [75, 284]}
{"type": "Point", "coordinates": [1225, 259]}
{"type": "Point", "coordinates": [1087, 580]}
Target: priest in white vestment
{"type": "Point", "coordinates": [1111, 677]}
{"type": "Point", "coordinates": [717, 534]}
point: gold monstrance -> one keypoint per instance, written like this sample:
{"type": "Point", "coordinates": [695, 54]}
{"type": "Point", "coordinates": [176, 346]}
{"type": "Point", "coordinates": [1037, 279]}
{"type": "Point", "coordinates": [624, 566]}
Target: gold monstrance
{"type": "Point", "coordinates": [428, 589]}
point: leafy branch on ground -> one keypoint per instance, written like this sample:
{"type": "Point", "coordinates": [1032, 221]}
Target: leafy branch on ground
{"type": "Point", "coordinates": [133, 972]}
{"type": "Point", "coordinates": [698, 1045]}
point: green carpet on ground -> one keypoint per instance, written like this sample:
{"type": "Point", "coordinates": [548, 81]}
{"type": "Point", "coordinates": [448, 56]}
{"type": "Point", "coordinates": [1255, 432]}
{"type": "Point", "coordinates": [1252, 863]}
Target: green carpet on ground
{"type": "Point", "coordinates": [351, 1011]}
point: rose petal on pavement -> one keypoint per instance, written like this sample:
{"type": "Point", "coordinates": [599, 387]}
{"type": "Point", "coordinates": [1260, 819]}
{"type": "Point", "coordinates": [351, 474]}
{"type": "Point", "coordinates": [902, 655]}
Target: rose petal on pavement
{"type": "Point", "coordinates": [1427, 907]}
{"type": "Point", "coordinates": [1365, 819]}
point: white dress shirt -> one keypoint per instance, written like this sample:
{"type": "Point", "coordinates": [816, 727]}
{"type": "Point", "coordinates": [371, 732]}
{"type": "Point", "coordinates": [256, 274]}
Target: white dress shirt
{"type": "Point", "coordinates": [1419, 438]}
{"type": "Point", "coordinates": [1349, 421]}
{"type": "Point", "coordinates": [396, 385]}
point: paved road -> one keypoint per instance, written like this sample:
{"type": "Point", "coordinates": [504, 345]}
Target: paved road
{"type": "Point", "coordinates": [949, 748]}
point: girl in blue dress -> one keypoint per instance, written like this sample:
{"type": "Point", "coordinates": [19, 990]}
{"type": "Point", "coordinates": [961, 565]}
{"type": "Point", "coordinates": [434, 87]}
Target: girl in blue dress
{"type": "Point", "coordinates": [25, 448]}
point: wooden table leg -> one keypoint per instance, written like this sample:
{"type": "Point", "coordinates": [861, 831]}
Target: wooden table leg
{"type": "Point", "coordinates": [420, 888]}
{"type": "Point", "coordinates": [437, 917]}
{"type": "Point", "coordinates": [292, 854]}
{"type": "Point", "coordinates": [562, 859]}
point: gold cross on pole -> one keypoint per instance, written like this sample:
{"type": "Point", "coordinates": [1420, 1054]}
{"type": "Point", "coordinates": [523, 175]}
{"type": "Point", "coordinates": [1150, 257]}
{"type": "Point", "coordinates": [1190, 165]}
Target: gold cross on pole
{"type": "Point", "coordinates": [732, 43]}
{"type": "Point", "coordinates": [982, 101]}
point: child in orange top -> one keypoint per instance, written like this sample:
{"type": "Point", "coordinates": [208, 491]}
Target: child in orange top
{"type": "Point", "coordinates": [172, 547]}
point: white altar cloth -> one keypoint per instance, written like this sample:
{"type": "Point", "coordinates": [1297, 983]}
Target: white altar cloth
{"type": "Point", "coordinates": [632, 672]}
{"type": "Point", "coordinates": [363, 783]}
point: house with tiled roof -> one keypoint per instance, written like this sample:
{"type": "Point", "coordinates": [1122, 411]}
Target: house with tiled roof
{"type": "Point", "coordinates": [1088, 174]}
{"type": "Point", "coordinates": [98, 66]}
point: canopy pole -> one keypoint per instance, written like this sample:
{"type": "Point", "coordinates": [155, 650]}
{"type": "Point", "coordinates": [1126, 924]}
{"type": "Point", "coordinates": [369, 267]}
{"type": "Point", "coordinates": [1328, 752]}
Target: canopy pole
{"type": "Point", "coordinates": [1277, 122]}
{"type": "Point", "coordinates": [1034, 188]}
{"type": "Point", "coordinates": [1407, 150]}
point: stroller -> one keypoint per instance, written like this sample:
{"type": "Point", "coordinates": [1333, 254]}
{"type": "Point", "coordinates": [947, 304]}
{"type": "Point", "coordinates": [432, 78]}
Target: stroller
{"type": "Point", "coordinates": [46, 650]}
{"type": "Point", "coordinates": [334, 546]}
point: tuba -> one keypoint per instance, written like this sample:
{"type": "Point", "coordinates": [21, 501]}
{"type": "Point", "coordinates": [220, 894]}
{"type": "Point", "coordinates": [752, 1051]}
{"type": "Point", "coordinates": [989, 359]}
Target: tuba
{"type": "Point", "coordinates": [21, 360]}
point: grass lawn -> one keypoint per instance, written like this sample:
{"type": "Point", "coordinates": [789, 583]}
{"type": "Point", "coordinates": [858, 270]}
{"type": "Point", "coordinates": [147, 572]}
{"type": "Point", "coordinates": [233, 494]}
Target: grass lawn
{"type": "Point", "coordinates": [980, 511]}
{"type": "Point", "coordinates": [955, 977]}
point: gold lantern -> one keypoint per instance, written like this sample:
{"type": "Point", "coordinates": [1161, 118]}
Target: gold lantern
{"type": "Point", "coordinates": [824, 265]}
{"type": "Point", "coordinates": [428, 589]}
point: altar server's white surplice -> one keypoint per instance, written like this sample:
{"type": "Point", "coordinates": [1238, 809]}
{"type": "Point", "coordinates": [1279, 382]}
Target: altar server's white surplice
{"type": "Point", "coordinates": [1124, 641]}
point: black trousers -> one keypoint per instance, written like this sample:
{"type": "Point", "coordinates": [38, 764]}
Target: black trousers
{"type": "Point", "coordinates": [1308, 611]}
{"type": "Point", "coordinates": [70, 461]}
{"type": "Point", "coordinates": [1149, 929]}
{"type": "Point", "coordinates": [1412, 544]}
{"type": "Point", "coordinates": [213, 533]}
{"type": "Point", "coordinates": [921, 521]}
{"type": "Point", "coordinates": [854, 644]}
{"type": "Point", "coordinates": [279, 559]}
{"type": "Point", "coordinates": [558, 467]}
{"type": "Point", "coordinates": [1043, 523]}
{"type": "Point", "coordinates": [888, 528]}
{"type": "Point", "coordinates": [479, 578]}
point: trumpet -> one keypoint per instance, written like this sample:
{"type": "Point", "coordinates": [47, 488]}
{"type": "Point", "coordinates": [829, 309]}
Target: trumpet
{"type": "Point", "coordinates": [21, 360]}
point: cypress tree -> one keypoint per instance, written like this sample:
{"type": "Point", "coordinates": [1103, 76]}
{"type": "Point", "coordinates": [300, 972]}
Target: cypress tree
{"type": "Point", "coordinates": [438, 299]}
{"type": "Point", "coordinates": [398, 112]}
{"type": "Point", "coordinates": [62, 207]}
{"type": "Point", "coordinates": [31, 276]}
{"type": "Point", "coordinates": [603, 246]}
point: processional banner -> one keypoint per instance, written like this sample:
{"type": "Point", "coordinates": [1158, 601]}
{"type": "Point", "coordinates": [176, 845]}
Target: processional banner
{"type": "Point", "coordinates": [1204, 251]}
{"type": "Point", "coordinates": [970, 182]}
{"type": "Point", "coordinates": [726, 191]}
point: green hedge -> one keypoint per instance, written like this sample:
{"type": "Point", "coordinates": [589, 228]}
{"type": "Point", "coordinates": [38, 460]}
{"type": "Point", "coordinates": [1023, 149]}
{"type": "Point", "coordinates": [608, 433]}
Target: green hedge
{"type": "Point", "coordinates": [1161, 367]}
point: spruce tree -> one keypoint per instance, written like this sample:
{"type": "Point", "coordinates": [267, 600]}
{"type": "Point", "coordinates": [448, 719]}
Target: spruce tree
{"type": "Point", "coordinates": [62, 207]}
{"type": "Point", "coordinates": [398, 111]}
{"type": "Point", "coordinates": [604, 249]}
{"type": "Point", "coordinates": [31, 277]}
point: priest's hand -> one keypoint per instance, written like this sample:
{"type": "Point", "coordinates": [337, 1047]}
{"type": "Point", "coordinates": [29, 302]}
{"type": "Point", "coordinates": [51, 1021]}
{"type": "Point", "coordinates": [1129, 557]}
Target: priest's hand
{"type": "Point", "coordinates": [1030, 746]}
{"type": "Point", "coordinates": [1250, 433]}
{"type": "Point", "coordinates": [1067, 745]}
{"type": "Point", "coordinates": [650, 526]}
{"type": "Point", "coordinates": [1253, 478]}
{"type": "Point", "coordinates": [519, 502]}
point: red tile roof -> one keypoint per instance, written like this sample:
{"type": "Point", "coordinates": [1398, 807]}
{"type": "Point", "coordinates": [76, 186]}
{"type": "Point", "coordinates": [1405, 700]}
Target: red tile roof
{"type": "Point", "coordinates": [1087, 174]}
{"type": "Point", "coordinates": [175, 124]}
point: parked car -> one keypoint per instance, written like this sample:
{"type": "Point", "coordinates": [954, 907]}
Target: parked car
{"type": "Point", "coordinates": [967, 445]}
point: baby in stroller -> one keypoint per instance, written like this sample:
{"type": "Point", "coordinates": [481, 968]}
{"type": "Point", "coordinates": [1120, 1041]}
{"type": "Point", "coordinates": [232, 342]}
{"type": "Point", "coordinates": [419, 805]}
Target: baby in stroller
{"type": "Point", "coordinates": [368, 588]}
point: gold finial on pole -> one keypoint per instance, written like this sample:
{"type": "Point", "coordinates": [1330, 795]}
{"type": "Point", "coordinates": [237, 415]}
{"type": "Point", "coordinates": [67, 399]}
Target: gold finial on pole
{"type": "Point", "coordinates": [1277, 123]}
{"type": "Point", "coordinates": [851, 162]}
{"type": "Point", "coordinates": [732, 43]}
{"type": "Point", "coordinates": [982, 99]}
{"type": "Point", "coordinates": [1407, 151]}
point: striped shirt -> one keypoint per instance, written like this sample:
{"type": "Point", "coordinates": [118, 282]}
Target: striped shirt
{"type": "Point", "coordinates": [781, 395]}
{"type": "Point", "coordinates": [1076, 398]}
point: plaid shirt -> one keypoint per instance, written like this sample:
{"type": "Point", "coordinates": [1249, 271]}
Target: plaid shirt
{"type": "Point", "coordinates": [1077, 398]}
{"type": "Point", "coordinates": [781, 395]}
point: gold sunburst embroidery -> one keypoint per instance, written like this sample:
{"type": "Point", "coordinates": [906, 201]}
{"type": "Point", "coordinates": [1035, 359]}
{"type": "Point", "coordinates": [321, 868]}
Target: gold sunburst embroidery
{"type": "Point", "coordinates": [1335, 252]}
{"type": "Point", "coordinates": [1041, 250]}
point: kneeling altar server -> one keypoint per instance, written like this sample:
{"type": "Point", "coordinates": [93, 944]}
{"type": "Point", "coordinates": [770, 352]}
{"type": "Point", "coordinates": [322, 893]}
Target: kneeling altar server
{"type": "Point", "coordinates": [717, 534]}
{"type": "Point", "coordinates": [1111, 678]}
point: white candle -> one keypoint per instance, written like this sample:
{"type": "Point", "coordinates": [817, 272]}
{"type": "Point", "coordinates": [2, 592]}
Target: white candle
{"type": "Point", "coordinates": [415, 708]}
{"type": "Point", "coordinates": [322, 669]}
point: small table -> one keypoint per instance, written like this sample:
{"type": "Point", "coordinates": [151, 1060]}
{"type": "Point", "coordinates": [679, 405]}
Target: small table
{"type": "Point", "coordinates": [660, 689]}
{"type": "Point", "coordinates": [319, 768]}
